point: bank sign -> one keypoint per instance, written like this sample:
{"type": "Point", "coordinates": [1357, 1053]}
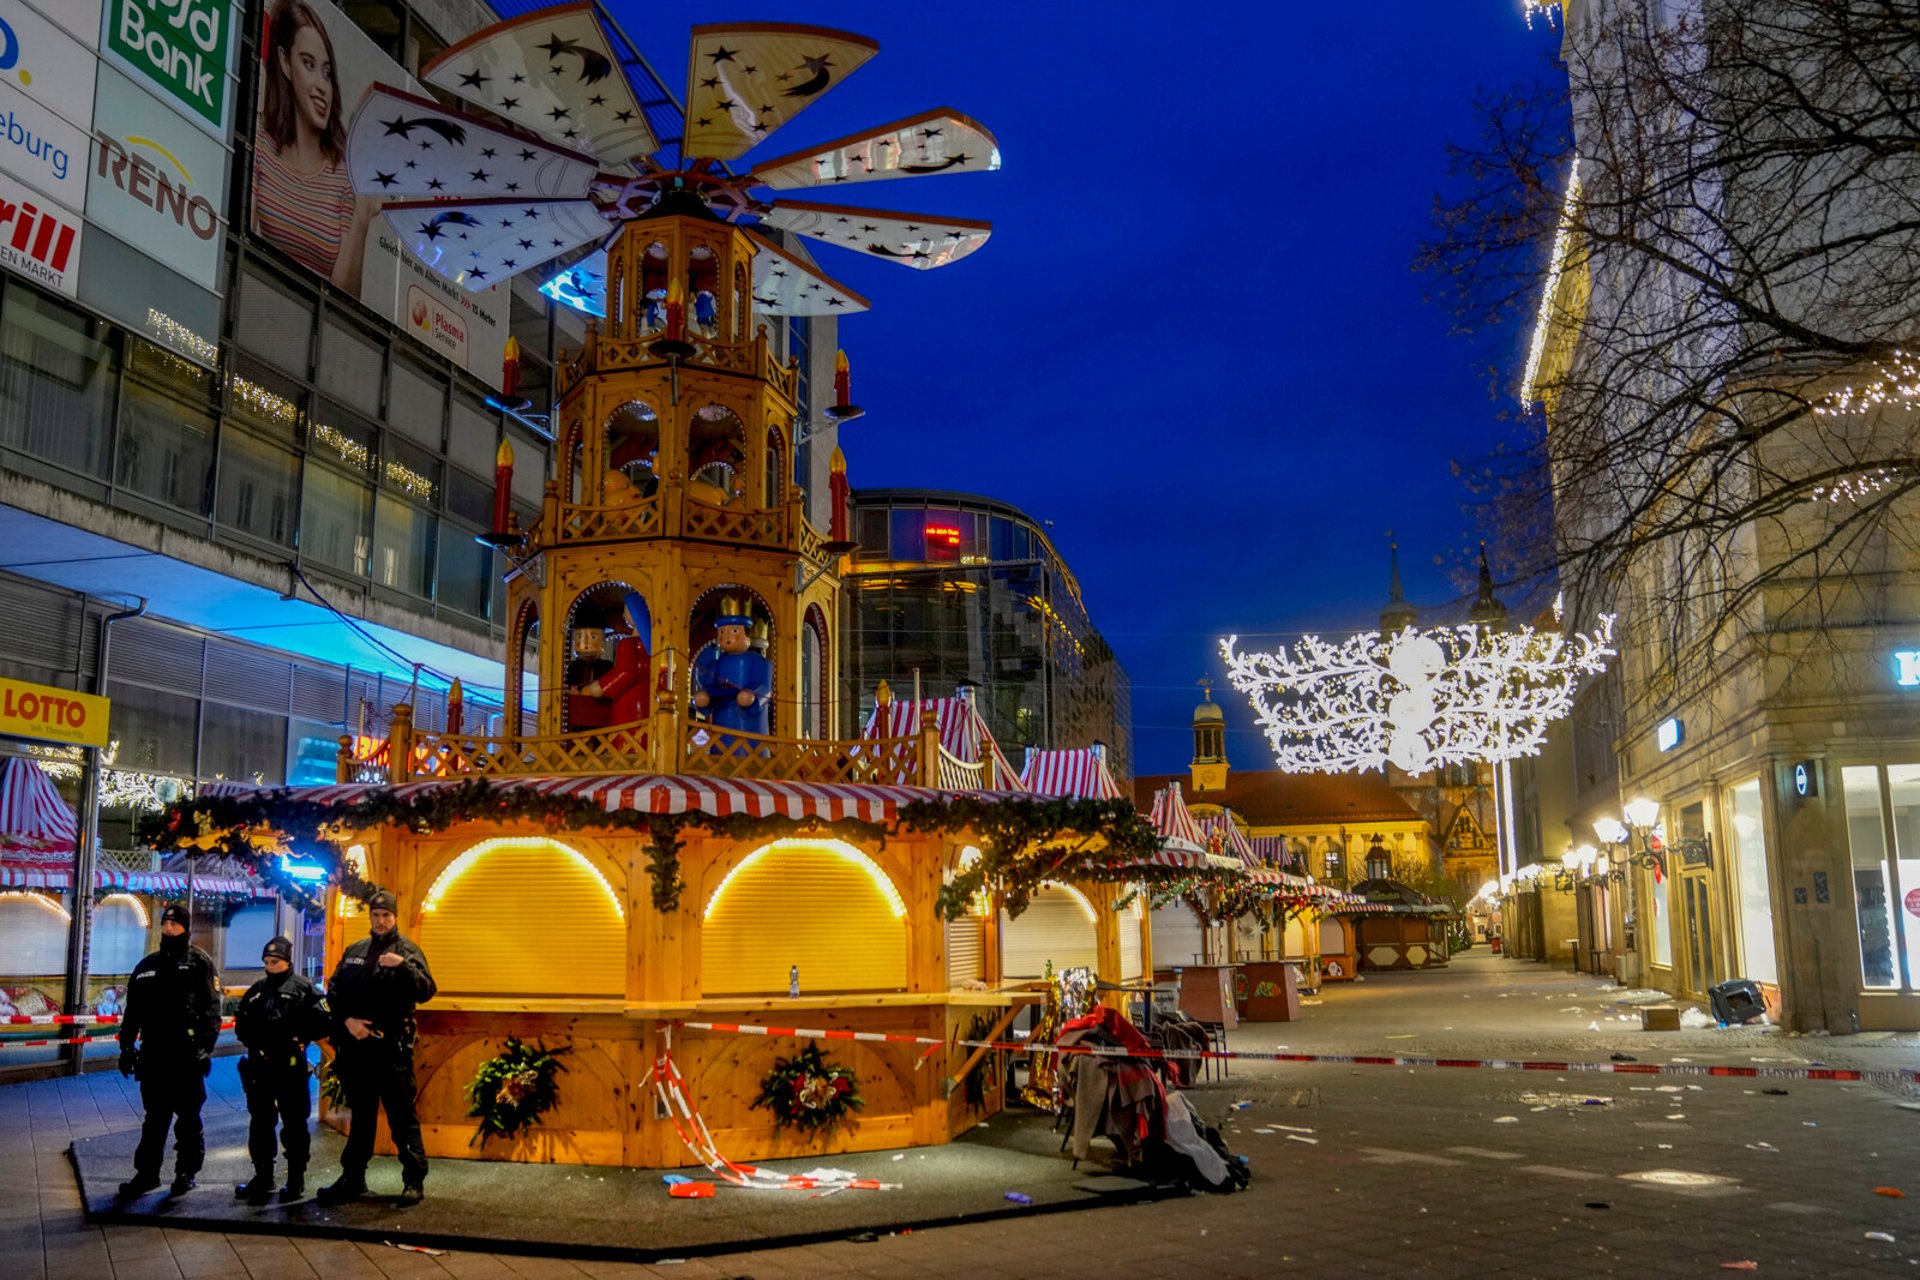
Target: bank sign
{"type": "Point", "coordinates": [181, 49]}
{"type": "Point", "coordinates": [46, 714]}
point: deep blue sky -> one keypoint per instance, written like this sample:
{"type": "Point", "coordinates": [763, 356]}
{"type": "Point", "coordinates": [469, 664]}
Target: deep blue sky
{"type": "Point", "coordinates": [1194, 342]}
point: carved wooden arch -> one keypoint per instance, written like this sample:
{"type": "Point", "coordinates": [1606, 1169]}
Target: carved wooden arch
{"type": "Point", "coordinates": [525, 618]}
{"type": "Point", "coordinates": [815, 623]}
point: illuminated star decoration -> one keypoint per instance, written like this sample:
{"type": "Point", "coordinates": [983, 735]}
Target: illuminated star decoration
{"type": "Point", "coordinates": [1417, 699]}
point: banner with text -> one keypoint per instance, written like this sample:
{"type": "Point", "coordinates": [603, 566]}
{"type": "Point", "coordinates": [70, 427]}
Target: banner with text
{"type": "Point", "coordinates": [183, 51]}
{"type": "Point", "coordinates": [46, 110]}
{"type": "Point", "coordinates": [47, 714]}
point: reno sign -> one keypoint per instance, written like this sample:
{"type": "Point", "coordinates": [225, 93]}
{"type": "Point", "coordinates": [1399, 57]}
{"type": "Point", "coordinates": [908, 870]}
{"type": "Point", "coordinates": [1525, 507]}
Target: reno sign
{"type": "Point", "coordinates": [183, 49]}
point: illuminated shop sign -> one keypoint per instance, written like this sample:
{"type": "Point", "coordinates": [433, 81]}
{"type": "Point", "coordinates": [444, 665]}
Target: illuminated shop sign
{"type": "Point", "coordinates": [1906, 668]}
{"type": "Point", "coordinates": [943, 535]}
{"type": "Point", "coordinates": [1670, 733]}
{"type": "Point", "coordinates": [52, 715]}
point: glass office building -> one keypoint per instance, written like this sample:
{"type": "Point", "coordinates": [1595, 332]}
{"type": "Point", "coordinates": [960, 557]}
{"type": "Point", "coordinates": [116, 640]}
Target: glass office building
{"type": "Point", "coordinates": [965, 588]}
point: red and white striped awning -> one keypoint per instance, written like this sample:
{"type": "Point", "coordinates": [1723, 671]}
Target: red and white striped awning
{"type": "Point", "coordinates": [1269, 851]}
{"type": "Point", "coordinates": [1081, 775]}
{"type": "Point", "coordinates": [159, 883]}
{"type": "Point", "coordinates": [650, 793]}
{"type": "Point", "coordinates": [32, 814]}
{"type": "Point", "coordinates": [1173, 820]}
{"type": "Point", "coordinates": [963, 734]}
{"type": "Point", "coordinates": [1232, 841]}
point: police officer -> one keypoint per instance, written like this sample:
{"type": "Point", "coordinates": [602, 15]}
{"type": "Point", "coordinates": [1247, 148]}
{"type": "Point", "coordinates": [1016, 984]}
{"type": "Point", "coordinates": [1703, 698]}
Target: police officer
{"type": "Point", "coordinates": [276, 1019]}
{"type": "Point", "coordinates": [372, 995]}
{"type": "Point", "coordinates": [173, 1014]}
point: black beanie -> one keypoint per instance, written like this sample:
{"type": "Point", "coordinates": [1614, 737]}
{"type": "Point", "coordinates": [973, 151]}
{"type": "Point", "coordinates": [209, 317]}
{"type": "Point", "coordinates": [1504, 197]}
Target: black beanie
{"type": "Point", "coordinates": [281, 947]}
{"type": "Point", "coordinates": [383, 900]}
{"type": "Point", "coordinates": [177, 913]}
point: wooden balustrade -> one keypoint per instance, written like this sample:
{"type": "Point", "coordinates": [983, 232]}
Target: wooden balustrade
{"type": "Point", "coordinates": [726, 753]}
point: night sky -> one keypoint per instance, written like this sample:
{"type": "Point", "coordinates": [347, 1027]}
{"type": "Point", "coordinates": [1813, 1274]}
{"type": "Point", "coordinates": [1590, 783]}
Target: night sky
{"type": "Point", "coordinates": [1195, 342]}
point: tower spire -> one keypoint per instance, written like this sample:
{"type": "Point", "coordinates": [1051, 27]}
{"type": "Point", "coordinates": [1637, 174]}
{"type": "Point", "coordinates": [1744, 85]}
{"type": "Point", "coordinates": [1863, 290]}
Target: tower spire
{"type": "Point", "coordinates": [1398, 615]}
{"type": "Point", "coordinates": [1487, 609]}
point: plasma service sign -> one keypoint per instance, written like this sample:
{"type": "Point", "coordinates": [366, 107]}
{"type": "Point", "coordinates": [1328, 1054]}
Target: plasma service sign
{"type": "Point", "coordinates": [181, 50]}
{"type": "Point", "coordinates": [46, 113]}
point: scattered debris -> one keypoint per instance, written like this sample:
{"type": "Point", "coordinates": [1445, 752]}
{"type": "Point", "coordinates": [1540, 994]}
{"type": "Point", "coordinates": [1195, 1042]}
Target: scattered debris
{"type": "Point", "coordinates": [1761, 1146]}
{"type": "Point", "coordinates": [1019, 1197]}
{"type": "Point", "coordinates": [1294, 1137]}
{"type": "Point", "coordinates": [1693, 1020]}
{"type": "Point", "coordinates": [1775, 1093]}
{"type": "Point", "coordinates": [1506, 1119]}
{"type": "Point", "coordinates": [1598, 1204]}
{"type": "Point", "coordinates": [1882, 1236]}
{"type": "Point", "coordinates": [431, 1253]}
{"type": "Point", "coordinates": [1622, 1057]}
{"type": "Point", "coordinates": [691, 1191]}
{"type": "Point", "coordinates": [864, 1237]}
{"type": "Point", "coordinates": [1288, 1128]}
{"type": "Point", "coordinates": [1894, 1192]}
{"type": "Point", "coordinates": [1745, 1264]}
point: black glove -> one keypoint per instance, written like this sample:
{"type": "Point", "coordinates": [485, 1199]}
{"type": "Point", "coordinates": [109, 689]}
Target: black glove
{"type": "Point", "coordinates": [205, 1058]}
{"type": "Point", "coordinates": [128, 1061]}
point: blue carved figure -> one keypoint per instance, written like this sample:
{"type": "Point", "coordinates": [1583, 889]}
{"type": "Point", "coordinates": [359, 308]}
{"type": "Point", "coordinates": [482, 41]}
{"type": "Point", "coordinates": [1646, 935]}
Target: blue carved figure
{"type": "Point", "coordinates": [730, 681]}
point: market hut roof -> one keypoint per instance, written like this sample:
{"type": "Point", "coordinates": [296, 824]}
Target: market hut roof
{"type": "Point", "coordinates": [1273, 798]}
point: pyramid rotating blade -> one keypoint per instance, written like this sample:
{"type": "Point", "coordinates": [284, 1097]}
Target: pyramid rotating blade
{"type": "Point", "coordinates": [408, 148]}
{"type": "Point", "coordinates": [553, 72]}
{"type": "Point", "coordinates": [746, 80]}
{"type": "Point", "coordinates": [784, 285]}
{"type": "Point", "coordinates": [937, 141]}
{"type": "Point", "coordinates": [910, 239]}
{"type": "Point", "coordinates": [582, 286]}
{"type": "Point", "coordinates": [478, 243]}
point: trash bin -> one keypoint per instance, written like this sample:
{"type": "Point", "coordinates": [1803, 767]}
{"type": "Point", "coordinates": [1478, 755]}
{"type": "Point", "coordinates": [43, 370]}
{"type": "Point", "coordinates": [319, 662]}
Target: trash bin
{"type": "Point", "coordinates": [1737, 1000]}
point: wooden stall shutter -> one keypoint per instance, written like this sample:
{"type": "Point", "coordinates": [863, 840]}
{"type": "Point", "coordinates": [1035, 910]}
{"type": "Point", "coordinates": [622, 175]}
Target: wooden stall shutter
{"type": "Point", "coordinates": [816, 904]}
{"type": "Point", "coordinates": [1129, 945]}
{"type": "Point", "coordinates": [526, 917]}
{"type": "Point", "coordinates": [964, 949]}
{"type": "Point", "coordinates": [1177, 936]}
{"type": "Point", "coordinates": [1055, 926]}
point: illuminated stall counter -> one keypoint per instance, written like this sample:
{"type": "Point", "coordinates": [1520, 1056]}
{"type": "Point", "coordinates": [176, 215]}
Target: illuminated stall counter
{"type": "Point", "coordinates": [555, 937]}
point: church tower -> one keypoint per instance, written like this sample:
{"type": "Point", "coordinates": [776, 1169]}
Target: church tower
{"type": "Point", "coordinates": [1399, 614]}
{"type": "Point", "coordinates": [1208, 768]}
{"type": "Point", "coordinates": [673, 490]}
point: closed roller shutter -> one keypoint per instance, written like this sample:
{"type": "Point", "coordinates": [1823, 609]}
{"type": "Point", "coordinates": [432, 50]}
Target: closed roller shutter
{"type": "Point", "coordinates": [119, 937]}
{"type": "Point", "coordinates": [524, 917]}
{"type": "Point", "coordinates": [247, 936]}
{"type": "Point", "coordinates": [964, 949]}
{"type": "Point", "coordinates": [1294, 941]}
{"type": "Point", "coordinates": [1129, 921]}
{"type": "Point", "coordinates": [33, 938]}
{"type": "Point", "coordinates": [1177, 936]}
{"type": "Point", "coordinates": [821, 905]}
{"type": "Point", "coordinates": [1057, 925]}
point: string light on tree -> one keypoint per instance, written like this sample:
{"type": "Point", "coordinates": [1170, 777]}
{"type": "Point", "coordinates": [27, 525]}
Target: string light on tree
{"type": "Point", "coordinates": [1897, 382]}
{"type": "Point", "coordinates": [1417, 699]}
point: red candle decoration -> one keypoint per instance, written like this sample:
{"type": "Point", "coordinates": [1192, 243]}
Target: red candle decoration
{"type": "Point", "coordinates": [502, 486]}
{"type": "Point", "coordinates": [837, 492]}
{"type": "Point", "coordinates": [676, 311]}
{"type": "Point", "coordinates": [456, 707]}
{"type": "Point", "coordinates": [510, 368]}
{"type": "Point", "coordinates": [842, 379]}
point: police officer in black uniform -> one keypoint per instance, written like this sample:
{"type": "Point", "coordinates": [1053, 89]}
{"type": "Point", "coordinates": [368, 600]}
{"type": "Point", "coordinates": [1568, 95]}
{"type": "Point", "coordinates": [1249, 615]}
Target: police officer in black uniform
{"type": "Point", "coordinates": [372, 995]}
{"type": "Point", "coordinates": [173, 1014]}
{"type": "Point", "coordinates": [277, 1017]}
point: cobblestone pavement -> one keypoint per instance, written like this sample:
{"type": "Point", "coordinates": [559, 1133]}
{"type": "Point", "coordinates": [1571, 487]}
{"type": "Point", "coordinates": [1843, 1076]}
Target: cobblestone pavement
{"type": "Point", "coordinates": [1358, 1170]}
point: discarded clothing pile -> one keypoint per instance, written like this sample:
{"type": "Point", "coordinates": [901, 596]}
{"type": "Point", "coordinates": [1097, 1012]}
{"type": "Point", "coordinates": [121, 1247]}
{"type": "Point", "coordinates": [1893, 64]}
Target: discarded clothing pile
{"type": "Point", "coordinates": [1123, 1099]}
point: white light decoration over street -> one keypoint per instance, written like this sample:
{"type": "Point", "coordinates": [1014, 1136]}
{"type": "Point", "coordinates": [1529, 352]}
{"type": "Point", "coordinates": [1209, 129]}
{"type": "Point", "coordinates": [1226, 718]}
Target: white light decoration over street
{"type": "Point", "coordinates": [1417, 699]}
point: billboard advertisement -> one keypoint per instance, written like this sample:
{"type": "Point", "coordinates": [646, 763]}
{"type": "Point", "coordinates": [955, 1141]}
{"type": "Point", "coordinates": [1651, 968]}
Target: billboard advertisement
{"type": "Point", "coordinates": [182, 51]}
{"type": "Point", "coordinates": [46, 109]}
{"type": "Point", "coordinates": [158, 183]}
{"type": "Point", "coordinates": [316, 69]}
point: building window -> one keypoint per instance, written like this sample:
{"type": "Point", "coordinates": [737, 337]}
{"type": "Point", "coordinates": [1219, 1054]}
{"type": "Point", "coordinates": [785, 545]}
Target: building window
{"type": "Point", "coordinates": [403, 537]}
{"type": "Point", "coordinates": [166, 442]}
{"type": "Point", "coordinates": [259, 488]}
{"type": "Point", "coordinates": [1755, 895]}
{"type": "Point", "coordinates": [57, 368]}
{"type": "Point", "coordinates": [1883, 834]}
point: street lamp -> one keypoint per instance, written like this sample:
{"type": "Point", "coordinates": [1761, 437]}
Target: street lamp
{"type": "Point", "coordinates": [1642, 826]}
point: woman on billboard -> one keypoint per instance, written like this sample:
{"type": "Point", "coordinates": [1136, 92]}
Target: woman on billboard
{"type": "Point", "coordinates": [302, 199]}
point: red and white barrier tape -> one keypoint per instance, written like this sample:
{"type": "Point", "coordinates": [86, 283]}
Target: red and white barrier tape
{"type": "Point", "coordinates": [670, 1087]}
{"type": "Point", "coordinates": [1335, 1059]}
{"type": "Point", "coordinates": [60, 1019]}
{"type": "Point", "coordinates": [41, 1044]}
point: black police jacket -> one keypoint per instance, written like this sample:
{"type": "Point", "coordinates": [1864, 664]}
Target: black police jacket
{"type": "Point", "coordinates": [361, 988]}
{"type": "Point", "coordinates": [279, 1014]}
{"type": "Point", "coordinates": [173, 1003]}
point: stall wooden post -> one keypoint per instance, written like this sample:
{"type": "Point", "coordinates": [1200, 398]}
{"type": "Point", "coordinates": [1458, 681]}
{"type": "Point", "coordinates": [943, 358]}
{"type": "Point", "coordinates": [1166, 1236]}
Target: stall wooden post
{"type": "Point", "coordinates": [400, 744]}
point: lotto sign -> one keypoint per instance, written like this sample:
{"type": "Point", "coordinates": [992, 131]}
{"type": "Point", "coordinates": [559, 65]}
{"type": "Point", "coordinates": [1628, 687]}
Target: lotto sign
{"type": "Point", "coordinates": [183, 48]}
{"type": "Point", "coordinates": [52, 715]}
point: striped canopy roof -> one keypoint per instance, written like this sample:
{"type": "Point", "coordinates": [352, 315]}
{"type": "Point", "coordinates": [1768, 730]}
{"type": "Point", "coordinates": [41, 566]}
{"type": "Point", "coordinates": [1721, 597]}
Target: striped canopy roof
{"type": "Point", "coordinates": [1172, 819]}
{"type": "Point", "coordinates": [964, 736]}
{"type": "Point", "coordinates": [32, 814]}
{"type": "Point", "coordinates": [160, 883]}
{"type": "Point", "coordinates": [1232, 840]}
{"type": "Point", "coordinates": [1080, 774]}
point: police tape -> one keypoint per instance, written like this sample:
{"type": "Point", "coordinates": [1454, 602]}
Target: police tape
{"type": "Point", "coordinates": [41, 1044]}
{"type": "Point", "coordinates": [61, 1019]}
{"type": "Point", "coordinates": [1842, 1074]}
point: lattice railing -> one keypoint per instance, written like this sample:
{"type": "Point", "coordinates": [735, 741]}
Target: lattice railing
{"type": "Point", "coordinates": [593, 524]}
{"type": "Point", "coordinates": [726, 753]}
{"type": "Point", "coordinates": [758, 528]}
{"type": "Point", "coordinates": [622, 749]}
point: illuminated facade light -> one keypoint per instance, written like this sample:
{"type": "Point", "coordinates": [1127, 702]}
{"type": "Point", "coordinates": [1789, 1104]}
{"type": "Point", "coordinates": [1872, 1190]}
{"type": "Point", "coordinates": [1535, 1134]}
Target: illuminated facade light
{"type": "Point", "coordinates": [1906, 668]}
{"type": "Point", "coordinates": [837, 848]}
{"type": "Point", "coordinates": [1556, 267]}
{"type": "Point", "coordinates": [466, 861]}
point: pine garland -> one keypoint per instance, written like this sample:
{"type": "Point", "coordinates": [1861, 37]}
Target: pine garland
{"type": "Point", "coordinates": [808, 1092]}
{"type": "Point", "coordinates": [513, 1089]}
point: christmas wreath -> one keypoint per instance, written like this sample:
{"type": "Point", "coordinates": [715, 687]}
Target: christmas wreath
{"type": "Point", "coordinates": [808, 1092]}
{"type": "Point", "coordinates": [511, 1091]}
